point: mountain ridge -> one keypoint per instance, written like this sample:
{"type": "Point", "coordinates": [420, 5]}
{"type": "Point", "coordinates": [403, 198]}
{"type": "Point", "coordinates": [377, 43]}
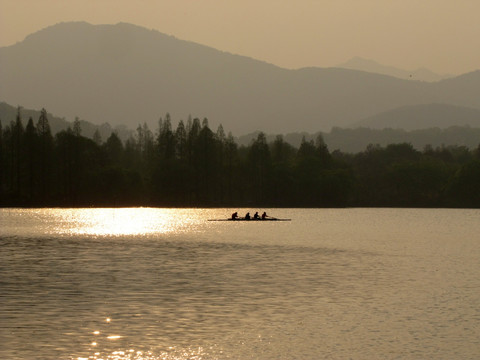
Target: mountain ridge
{"type": "Point", "coordinates": [8, 114]}
{"type": "Point", "coordinates": [127, 74]}
{"type": "Point", "coordinates": [416, 117]}
{"type": "Point", "coordinates": [350, 140]}
{"type": "Point", "coordinates": [420, 74]}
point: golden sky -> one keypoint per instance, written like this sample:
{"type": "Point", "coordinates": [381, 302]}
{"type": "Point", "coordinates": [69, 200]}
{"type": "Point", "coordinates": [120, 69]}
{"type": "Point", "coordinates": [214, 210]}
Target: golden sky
{"type": "Point", "coordinates": [441, 35]}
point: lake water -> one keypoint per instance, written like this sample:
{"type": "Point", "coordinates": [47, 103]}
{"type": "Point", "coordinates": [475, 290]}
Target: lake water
{"type": "Point", "coordinates": [155, 284]}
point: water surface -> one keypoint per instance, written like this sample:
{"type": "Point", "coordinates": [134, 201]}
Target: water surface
{"type": "Point", "coordinates": [168, 284]}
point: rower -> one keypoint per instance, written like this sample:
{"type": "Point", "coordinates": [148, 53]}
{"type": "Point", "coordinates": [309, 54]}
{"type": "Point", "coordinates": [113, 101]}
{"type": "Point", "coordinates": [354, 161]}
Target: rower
{"type": "Point", "coordinates": [235, 216]}
{"type": "Point", "coordinates": [256, 216]}
{"type": "Point", "coordinates": [264, 215]}
{"type": "Point", "coordinates": [247, 216]}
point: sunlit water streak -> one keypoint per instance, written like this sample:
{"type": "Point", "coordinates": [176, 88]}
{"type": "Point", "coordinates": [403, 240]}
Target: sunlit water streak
{"type": "Point", "coordinates": [124, 221]}
{"type": "Point", "coordinates": [167, 284]}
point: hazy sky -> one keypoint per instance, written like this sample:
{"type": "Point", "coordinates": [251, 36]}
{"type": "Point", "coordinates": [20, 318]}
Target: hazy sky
{"type": "Point", "coordinates": [442, 35]}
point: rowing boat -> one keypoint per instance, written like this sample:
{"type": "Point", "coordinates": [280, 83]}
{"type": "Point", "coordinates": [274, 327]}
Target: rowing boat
{"type": "Point", "coordinates": [243, 219]}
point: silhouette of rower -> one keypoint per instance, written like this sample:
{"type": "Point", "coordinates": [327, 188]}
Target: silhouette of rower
{"type": "Point", "coordinates": [256, 216]}
{"type": "Point", "coordinates": [264, 215]}
{"type": "Point", "coordinates": [247, 217]}
{"type": "Point", "coordinates": [235, 216]}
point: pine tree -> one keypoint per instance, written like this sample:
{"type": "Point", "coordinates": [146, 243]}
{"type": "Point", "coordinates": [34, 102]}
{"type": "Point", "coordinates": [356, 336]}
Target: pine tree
{"type": "Point", "coordinates": [181, 142]}
{"type": "Point", "coordinates": [31, 149]}
{"type": "Point", "coordinates": [259, 163]}
{"type": "Point", "coordinates": [45, 154]}
{"type": "Point", "coordinates": [77, 127]}
{"type": "Point", "coordinates": [97, 138]}
{"type": "Point", "coordinates": [2, 166]}
{"type": "Point", "coordinates": [17, 153]}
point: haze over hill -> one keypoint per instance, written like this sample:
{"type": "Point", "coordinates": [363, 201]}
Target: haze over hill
{"type": "Point", "coordinates": [421, 74]}
{"type": "Point", "coordinates": [415, 117]}
{"type": "Point", "coordinates": [125, 74]}
{"type": "Point", "coordinates": [9, 113]}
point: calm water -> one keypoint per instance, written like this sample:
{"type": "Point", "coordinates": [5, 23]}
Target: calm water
{"type": "Point", "coordinates": [156, 284]}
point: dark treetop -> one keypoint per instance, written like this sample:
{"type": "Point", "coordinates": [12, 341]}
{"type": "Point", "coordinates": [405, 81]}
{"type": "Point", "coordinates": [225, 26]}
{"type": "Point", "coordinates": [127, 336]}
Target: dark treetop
{"type": "Point", "coordinates": [191, 165]}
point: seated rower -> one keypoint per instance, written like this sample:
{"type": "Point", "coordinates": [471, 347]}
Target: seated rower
{"type": "Point", "coordinates": [264, 215]}
{"type": "Point", "coordinates": [235, 216]}
{"type": "Point", "coordinates": [256, 216]}
{"type": "Point", "coordinates": [247, 216]}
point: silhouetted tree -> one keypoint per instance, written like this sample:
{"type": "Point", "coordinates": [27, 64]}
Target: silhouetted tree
{"type": "Point", "coordinates": [259, 163]}
{"type": "Point", "coordinates": [193, 166]}
{"type": "Point", "coordinates": [166, 139]}
{"type": "Point", "coordinates": [77, 127]}
{"type": "Point", "coordinates": [97, 138]}
{"type": "Point", "coordinates": [231, 166]}
{"type": "Point", "coordinates": [308, 172]}
{"type": "Point", "coordinates": [181, 142]}
{"type": "Point", "coordinates": [181, 172]}
{"type": "Point", "coordinates": [2, 166]}
{"type": "Point", "coordinates": [322, 152]}
{"type": "Point", "coordinates": [464, 189]}
{"type": "Point", "coordinates": [65, 160]}
{"type": "Point", "coordinates": [282, 182]}
{"type": "Point", "coordinates": [31, 149]}
{"type": "Point", "coordinates": [45, 154]}
{"type": "Point", "coordinates": [163, 179]}
{"type": "Point", "coordinates": [17, 154]}
{"type": "Point", "coordinates": [193, 131]}
{"type": "Point", "coordinates": [114, 149]}
{"type": "Point", "coordinates": [205, 162]}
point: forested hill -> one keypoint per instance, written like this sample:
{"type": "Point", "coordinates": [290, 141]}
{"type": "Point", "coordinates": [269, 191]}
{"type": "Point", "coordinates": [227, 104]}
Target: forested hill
{"type": "Point", "coordinates": [422, 74]}
{"type": "Point", "coordinates": [349, 140]}
{"type": "Point", "coordinates": [125, 74]}
{"type": "Point", "coordinates": [191, 165]}
{"type": "Point", "coordinates": [8, 114]}
{"type": "Point", "coordinates": [356, 140]}
{"type": "Point", "coordinates": [416, 117]}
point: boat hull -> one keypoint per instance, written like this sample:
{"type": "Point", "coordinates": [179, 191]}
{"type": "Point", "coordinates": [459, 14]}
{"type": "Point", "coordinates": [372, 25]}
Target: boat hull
{"type": "Point", "coordinates": [255, 220]}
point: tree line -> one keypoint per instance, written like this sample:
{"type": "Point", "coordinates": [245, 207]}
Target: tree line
{"type": "Point", "coordinates": [192, 166]}
{"type": "Point", "coordinates": [355, 140]}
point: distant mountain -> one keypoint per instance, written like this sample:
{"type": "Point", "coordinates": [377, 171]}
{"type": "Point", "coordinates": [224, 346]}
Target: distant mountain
{"type": "Point", "coordinates": [8, 114]}
{"type": "Point", "coordinates": [125, 74]}
{"type": "Point", "coordinates": [423, 117]}
{"type": "Point", "coordinates": [357, 140]}
{"type": "Point", "coordinates": [350, 140]}
{"type": "Point", "coordinates": [421, 74]}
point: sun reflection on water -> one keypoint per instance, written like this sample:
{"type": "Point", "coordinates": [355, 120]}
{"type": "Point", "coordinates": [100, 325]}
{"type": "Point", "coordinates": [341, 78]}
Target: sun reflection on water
{"type": "Point", "coordinates": [120, 221]}
{"type": "Point", "coordinates": [101, 349]}
{"type": "Point", "coordinates": [131, 354]}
